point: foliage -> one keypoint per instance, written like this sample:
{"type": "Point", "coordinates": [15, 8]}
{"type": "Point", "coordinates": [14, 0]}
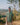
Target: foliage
{"type": "Point", "coordinates": [12, 1]}
{"type": "Point", "coordinates": [19, 0]}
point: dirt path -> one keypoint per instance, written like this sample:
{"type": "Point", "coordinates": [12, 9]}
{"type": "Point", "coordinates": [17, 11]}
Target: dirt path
{"type": "Point", "coordinates": [16, 23]}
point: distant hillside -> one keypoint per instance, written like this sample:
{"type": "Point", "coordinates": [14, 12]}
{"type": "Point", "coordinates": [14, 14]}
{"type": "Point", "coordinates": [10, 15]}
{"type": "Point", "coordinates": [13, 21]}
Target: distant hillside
{"type": "Point", "coordinates": [4, 10]}
{"type": "Point", "coordinates": [19, 10]}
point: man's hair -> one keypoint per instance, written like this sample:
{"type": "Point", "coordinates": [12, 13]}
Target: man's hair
{"type": "Point", "coordinates": [9, 8]}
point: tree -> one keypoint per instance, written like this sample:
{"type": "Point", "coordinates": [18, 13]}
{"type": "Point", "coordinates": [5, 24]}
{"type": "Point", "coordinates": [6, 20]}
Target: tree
{"type": "Point", "coordinates": [13, 1]}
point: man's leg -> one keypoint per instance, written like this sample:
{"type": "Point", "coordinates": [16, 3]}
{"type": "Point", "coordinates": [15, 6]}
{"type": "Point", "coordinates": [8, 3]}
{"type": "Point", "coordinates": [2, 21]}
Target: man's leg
{"type": "Point", "coordinates": [12, 22]}
{"type": "Point", "coordinates": [7, 23]}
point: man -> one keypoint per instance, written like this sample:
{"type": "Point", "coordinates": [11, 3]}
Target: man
{"type": "Point", "coordinates": [10, 16]}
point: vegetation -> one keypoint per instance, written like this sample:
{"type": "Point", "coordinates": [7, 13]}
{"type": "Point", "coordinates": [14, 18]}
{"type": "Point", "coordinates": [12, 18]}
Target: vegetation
{"type": "Point", "coordinates": [19, 0]}
{"type": "Point", "coordinates": [11, 1]}
{"type": "Point", "coordinates": [3, 21]}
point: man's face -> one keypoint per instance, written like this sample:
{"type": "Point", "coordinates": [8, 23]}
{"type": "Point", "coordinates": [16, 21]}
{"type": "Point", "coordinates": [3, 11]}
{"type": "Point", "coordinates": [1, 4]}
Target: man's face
{"type": "Point", "coordinates": [9, 10]}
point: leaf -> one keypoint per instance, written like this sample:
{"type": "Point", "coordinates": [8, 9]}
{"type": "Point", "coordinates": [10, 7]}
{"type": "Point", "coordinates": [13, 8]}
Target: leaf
{"type": "Point", "coordinates": [10, 0]}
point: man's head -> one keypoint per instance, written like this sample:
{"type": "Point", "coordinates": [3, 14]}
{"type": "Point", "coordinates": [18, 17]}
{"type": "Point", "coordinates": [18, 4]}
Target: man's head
{"type": "Point", "coordinates": [9, 9]}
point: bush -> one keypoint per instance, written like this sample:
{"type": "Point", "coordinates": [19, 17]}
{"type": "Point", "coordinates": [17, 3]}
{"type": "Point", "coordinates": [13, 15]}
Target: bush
{"type": "Point", "coordinates": [19, 18]}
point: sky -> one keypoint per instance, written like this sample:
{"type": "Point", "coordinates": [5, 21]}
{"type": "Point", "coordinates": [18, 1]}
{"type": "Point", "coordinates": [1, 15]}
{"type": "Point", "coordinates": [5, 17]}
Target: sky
{"type": "Point", "coordinates": [4, 5]}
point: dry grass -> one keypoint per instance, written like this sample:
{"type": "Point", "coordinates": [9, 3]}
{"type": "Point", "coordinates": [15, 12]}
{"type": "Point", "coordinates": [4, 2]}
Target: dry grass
{"type": "Point", "coordinates": [17, 17]}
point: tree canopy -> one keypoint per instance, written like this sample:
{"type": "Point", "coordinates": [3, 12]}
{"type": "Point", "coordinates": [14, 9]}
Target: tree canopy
{"type": "Point", "coordinates": [13, 1]}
